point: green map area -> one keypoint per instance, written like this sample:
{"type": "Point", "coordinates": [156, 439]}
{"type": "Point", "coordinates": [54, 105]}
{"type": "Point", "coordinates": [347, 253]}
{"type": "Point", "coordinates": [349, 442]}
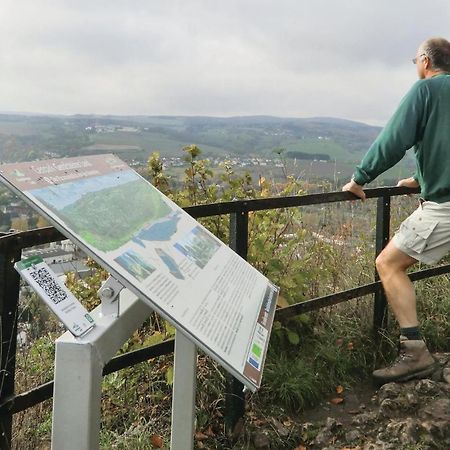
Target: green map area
{"type": "Point", "coordinates": [109, 218]}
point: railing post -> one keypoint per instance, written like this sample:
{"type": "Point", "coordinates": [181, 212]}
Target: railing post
{"type": "Point", "coordinates": [9, 299]}
{"type": "Point", "coordinates": [382, 238]}
{"type": "Point", "coordinates": [234, 392]}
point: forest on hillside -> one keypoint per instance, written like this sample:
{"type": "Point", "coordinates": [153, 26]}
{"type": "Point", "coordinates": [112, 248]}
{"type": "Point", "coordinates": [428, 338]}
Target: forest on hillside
{"type": "Point", "coordinates": [24, 137]}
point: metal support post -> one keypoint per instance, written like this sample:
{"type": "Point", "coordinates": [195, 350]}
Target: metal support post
{"type": "Point", "coordinates": [9, 298]}
{"type": "Point", "coordinates": [183, 400]}
{"type": "Point", "coordinates": [76, 396]}
{"type": "Point", "coordinates": [78, 373]}
{"type": "Point", "coordinates": [381, 240]}
{"type": "Point", "coordinates": [234, 391]}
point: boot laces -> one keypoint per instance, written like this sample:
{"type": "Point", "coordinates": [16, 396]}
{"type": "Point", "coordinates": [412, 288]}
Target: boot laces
{"type": "Point", "coordinates": [400, 358]}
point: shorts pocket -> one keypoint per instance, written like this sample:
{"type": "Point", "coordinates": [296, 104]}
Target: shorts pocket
{"type": "Point", "coordinates": [417, 234]}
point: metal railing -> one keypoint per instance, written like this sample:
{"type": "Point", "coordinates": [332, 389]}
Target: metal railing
{"type": "Point", "coordinates": [11, 246]}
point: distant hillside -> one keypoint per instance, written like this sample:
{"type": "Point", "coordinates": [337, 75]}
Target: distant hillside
{"type": "Point", "coordinates": [24, 137]}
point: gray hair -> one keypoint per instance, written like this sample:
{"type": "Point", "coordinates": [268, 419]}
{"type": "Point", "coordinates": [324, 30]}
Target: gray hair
{"type": "Point", "coordinates": [438, 51]}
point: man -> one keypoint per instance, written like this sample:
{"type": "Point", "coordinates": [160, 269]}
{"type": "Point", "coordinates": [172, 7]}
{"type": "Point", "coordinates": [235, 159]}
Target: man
{"type": "Point", "coordinates": [422, 120]}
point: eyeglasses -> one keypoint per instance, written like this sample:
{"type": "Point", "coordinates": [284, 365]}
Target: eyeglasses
{"type": "Point", "coordinates": [414, 60]}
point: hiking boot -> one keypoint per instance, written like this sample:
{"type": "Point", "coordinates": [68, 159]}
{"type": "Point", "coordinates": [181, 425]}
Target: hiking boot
{"type": "Point", "coordinates": [414, 361]}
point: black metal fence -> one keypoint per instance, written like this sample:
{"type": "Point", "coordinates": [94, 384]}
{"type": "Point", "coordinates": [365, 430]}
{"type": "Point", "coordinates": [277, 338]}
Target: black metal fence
{"type": "Point", "coordinates": [11, 246]}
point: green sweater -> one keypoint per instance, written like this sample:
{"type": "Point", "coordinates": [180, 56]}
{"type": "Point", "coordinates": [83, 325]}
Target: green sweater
{"type": "Point", "coordinates": [422, 120]}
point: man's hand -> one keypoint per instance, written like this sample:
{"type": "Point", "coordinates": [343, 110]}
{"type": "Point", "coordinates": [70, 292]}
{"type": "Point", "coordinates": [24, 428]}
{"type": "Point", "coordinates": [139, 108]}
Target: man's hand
{"type": "Point", "coordinates": [356, 189]}
{"type": "Point", "coordinates": [408, 182]}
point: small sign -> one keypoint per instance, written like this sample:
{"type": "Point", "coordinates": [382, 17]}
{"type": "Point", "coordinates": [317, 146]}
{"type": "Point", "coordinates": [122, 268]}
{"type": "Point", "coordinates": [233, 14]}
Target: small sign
{"type": "Point", "coordinates": [260, 339]}
{"type": "Point", "coordinates": [55, 294]}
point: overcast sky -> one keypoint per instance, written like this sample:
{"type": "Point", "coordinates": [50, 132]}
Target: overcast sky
{"type": "Point", "coordinates": [292, 58]}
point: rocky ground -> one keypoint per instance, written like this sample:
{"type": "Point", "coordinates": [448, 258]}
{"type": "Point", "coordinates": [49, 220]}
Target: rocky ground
{"type": "Point", "coordinates": [414, 415]}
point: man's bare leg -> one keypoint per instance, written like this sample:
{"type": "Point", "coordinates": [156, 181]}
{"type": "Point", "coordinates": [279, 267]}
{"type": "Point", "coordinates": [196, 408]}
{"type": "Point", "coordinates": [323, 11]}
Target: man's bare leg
{"type": "Point", "coordinates": [391, 265]}
{"type": "Point", "coordinates": [414, 361]}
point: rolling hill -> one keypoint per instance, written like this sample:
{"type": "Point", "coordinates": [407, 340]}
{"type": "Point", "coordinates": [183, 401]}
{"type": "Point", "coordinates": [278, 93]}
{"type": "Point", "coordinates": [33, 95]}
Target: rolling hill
{"type": "Point", "coordinates": [25, 137]}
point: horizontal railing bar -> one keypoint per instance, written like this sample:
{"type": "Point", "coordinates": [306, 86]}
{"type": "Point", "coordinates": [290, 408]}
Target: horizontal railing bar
{"type": "Point", "coordinates": [137, 356]}
{"type": "Point", "coordinates": [40, 236]}
{"type": "Point", "coordinates": [214, 209]}
{"type": "Point", "coordinates": [30, 238]}
{"type": "Point", "coordinates": [428, 273]}
{"type": "Point", "coordinates": [333, 299]}
{"type": "Point", "coordinates": [327, 300]}
{"type": "Point", "coordinates": [21, 402]}
{"type": "Point", "coordinates": [33, 397]}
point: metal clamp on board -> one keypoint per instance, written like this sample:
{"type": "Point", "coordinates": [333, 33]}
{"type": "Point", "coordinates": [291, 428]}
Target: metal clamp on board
{"type": "Point", "coordinates": [109, 295]}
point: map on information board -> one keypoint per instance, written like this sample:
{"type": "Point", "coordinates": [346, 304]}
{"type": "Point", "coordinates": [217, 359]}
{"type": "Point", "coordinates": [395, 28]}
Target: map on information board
{"type": "Point", "coordinates": [158, 251]}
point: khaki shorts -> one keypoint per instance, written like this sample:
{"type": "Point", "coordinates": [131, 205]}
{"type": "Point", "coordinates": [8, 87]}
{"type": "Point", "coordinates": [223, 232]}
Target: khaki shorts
{"type": "Point", "coordinates": [425, 234]}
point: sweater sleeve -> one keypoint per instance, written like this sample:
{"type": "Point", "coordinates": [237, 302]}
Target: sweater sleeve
{"type": "Point", "coordinates": [403, 131]}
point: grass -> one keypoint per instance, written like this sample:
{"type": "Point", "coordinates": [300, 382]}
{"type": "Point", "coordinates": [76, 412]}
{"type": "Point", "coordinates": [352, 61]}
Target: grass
{"type": "Point", "coordinates": [333, 350]}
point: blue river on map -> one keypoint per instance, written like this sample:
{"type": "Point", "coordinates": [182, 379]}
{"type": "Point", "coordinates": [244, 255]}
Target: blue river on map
{"type": "Point", "coordinates": [161, 231]}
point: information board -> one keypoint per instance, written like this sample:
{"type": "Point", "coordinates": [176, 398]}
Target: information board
{"type": "Point", "coordinates": [157, 251]}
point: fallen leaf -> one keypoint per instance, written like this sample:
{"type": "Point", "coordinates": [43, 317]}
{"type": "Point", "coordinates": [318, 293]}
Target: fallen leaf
{"type": "Point", "coordinates": [350, 346]}
{"type": "Point", "coordinates": [156, 441]}
{"type": "Point", "coordinates": [300, 447]}
{"type": "Point", "coordinates": [339, 342]}
{"type": "Point", "coordinates": [199, 436]}
{"type": "Point", "coordinates": [287, 423]}
{"type": "Point", "coordinates": [339, 389]}
{"type": "Point", "coordinates": [336, 400]}
{"type": "Point", "coordinates": [209, 431]}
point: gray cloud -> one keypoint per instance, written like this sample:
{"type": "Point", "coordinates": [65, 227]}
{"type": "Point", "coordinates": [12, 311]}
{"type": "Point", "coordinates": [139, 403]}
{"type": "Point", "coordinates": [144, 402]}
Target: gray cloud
{"type": "Point", "coordinates": [347, 59]}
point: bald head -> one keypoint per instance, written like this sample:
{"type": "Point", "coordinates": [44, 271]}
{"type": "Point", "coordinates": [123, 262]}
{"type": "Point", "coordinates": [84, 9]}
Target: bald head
{"type": "Point", "coordinates": [438, 52]}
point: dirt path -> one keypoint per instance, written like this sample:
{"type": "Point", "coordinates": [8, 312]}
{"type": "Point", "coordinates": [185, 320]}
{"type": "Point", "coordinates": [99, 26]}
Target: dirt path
{"type": "Point", "coordinates": [414, 415]}
{"type": "Point", "coordinates": [400, 416]}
